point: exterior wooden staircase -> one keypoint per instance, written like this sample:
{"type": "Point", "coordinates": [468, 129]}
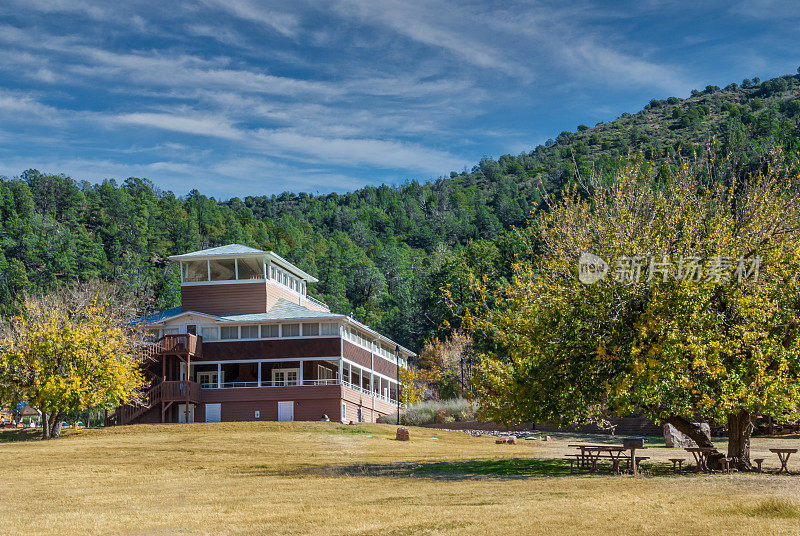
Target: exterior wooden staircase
{"type": "Point", "coordinates": [164, 392]}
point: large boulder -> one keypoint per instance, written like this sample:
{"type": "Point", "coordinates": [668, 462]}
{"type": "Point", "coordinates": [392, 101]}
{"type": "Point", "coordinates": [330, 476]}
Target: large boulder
{"type": "Point", "coordinates": [674, 438]}
{"type": "Point", "coordinates": [403, 434]}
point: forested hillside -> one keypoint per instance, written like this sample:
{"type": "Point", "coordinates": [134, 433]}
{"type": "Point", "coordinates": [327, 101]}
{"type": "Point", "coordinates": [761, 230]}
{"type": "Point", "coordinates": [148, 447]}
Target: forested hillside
{"type": "Point", "coordinates": [381, 253]}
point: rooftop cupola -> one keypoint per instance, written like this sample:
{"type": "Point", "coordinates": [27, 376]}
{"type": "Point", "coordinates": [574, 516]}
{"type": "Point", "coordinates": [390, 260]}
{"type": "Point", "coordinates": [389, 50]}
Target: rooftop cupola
{"type": "Point", "coordinates": [240, 279]}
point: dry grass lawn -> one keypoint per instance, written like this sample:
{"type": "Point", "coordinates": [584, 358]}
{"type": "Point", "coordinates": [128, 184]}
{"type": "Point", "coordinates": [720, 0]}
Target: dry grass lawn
{"type": "Point", "coordinates": [325, 478]}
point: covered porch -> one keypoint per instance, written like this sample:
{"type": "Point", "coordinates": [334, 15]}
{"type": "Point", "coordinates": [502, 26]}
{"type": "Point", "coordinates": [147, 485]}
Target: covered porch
{"type": "Point", "coordinates": [304, 372]}
{"type": "Point", "coordinates": [273, 373]}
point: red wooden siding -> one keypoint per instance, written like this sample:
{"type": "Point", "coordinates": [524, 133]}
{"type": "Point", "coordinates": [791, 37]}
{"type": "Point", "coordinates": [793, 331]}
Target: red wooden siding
{"type": "Point", "coordinates": [356, 354]}
{"type": "Point", "coordinates": [310, 403]}
{"type": "Point", "coordinates": [371, 408]}
{"type": "Point", "coordinates": [385, 367]}
{"type": "Point", "coordinates": [267, 349]}
{"type": "Point", "coordinates": [235, 298]}
{"type": "Point", "coordinates": [363, 357]}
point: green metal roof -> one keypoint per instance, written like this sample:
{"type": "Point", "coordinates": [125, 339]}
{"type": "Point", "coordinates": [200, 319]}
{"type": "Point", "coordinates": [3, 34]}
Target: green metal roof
{"type": "Point", "coordinates": [230, 250]}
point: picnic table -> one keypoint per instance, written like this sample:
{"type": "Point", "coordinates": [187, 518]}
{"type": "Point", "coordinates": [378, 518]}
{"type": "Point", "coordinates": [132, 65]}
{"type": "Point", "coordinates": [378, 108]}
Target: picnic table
{"type": "Point", "coordinates": [783, 456]}
{"type": "Point", "coordinates": [591, 454]}
{"type": "Point", "coordinates": [701, 455]}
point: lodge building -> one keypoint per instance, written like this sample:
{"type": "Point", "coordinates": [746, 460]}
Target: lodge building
{"type": "Point", "coordinates": [248, 343]}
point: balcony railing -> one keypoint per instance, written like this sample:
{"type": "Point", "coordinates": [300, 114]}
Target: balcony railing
{"type": "Point", "coordinates": [178, 391]}
{"type": "Point", "coordinates": [318, 303]}
{"type": "Point", "coordinates": [184, 343]}
{"type": "Point", "coordinates": [296, 383]}
{"type": "Point", "coordinates": [368, 392]}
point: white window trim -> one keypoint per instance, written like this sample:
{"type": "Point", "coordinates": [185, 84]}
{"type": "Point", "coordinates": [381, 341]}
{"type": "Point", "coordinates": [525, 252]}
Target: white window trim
{"type": "Point", "coordinates": [286, 382]}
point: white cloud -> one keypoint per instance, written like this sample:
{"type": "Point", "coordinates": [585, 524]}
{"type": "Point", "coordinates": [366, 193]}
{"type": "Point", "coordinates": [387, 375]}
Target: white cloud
{"type": "Point", "coordinates": [202, 126]}
{"type": "Point", "coordinates": [345, 151]}
{"type": "Point", "coordinates": [279, 20]}
{"type": "Point", "coordinates": [423, 24]}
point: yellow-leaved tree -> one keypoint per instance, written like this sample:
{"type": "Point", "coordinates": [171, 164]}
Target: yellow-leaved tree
{"type": "Point", "coordinates": [67, 351]}
{"type": "Point", "coordinates": [697, 315]}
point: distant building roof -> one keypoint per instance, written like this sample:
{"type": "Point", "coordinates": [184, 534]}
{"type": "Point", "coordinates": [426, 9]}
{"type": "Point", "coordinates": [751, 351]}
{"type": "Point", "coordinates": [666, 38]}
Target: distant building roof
{"type": "Point", "coordinates": [156, 317]}
{"type": "Point", "coordinates": [282, 310]}
{"type": "Point", "coordinates": [28, 411]}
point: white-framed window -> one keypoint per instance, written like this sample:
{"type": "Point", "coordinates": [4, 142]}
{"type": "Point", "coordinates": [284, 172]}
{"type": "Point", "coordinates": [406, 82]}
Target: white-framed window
{"type": "Point", "coordinates": [210, 334]}
{"type": "Point", "coordinates": [290, 330]}
{"type": "Point", "coordinates": [229, 332]}
{"type": "Point", "coordinates": [344, 411]}
{"type": "Point", "coordinates": [324, 373]}
{"type": "Point", "coordinates": [285, 377]}
{"type": "Point", "coordinates": [207, 379]}
{"type": "Point", "coordinates": [329, 329]}
{"type": "Point", "coordinates": [222, 269]}
{"type": "Point", "coordinates": [249, 268]}
{"type": "Point", "coordinates": [194, 271]}
{"type": "Point", "coordinates": [310, 330]}
{"type": "Point", "coordinates": [250, 332]}
{"type": "Point", "coordinates": [169, 331]}
{"type": "Point", "coordinates": [270, 331]}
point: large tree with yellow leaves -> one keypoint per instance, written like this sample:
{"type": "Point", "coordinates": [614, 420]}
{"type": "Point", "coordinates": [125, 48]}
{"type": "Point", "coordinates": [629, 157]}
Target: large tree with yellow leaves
{"type": "Point", "coordinates": [697, 315]}
{"type": "Point", "coordinates": [68, 351]}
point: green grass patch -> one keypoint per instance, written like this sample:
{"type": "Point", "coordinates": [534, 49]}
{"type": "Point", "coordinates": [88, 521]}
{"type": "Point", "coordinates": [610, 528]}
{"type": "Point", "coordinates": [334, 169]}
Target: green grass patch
{"type": "Point", "coordinates": [347, 429]}
{"type": "Point", "coordinates": [471, 469]}
{"type": "Point", "coordinates": [15, 435]}
{"type": "Point", "coordinates": [773, 508]}
{"type": "Point", "coordinates": [514, 467]}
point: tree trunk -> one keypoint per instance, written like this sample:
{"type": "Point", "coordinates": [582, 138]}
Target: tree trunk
{"type": "Point", "coordinates": [690, 429]}
{"type": "Point", "coordinates": [740, 427]}
{"type": "Point", "coordinates": [696, 434]}
{"type": "Point", "coordinates": [56, 418]}
{"type": "Point", "coordinates": [45, 425]}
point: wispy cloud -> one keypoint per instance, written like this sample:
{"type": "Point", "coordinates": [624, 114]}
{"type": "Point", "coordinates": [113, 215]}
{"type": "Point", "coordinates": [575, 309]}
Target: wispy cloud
{"type": "Point", "coordinates": [216, 127]}
{"type": "Point", "coordinates": [376, 153]}
{"type": "Point", "coordinates": [278, 20]}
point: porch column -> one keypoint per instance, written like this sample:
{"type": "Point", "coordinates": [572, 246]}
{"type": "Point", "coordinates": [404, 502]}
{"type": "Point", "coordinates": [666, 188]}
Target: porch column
{"type": "Point", "coordinates": [341, 370]}
{"type": "Point", "coordinates": [219, 375]}
{"type": "Point", "coordinates": [186, 386]}
{"type": "Point", "coordinates": [300, 374]}
{"type": "Point", "coordinates": [371, 374]}
{"type": "Point", "coordinates": [259, 373]}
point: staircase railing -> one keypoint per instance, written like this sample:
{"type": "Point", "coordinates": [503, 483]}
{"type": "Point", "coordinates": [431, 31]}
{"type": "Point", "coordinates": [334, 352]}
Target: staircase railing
{"type": "Point", "coordinates": [183, 343]}
{"type": "Point", "coordinates": [169, 391]}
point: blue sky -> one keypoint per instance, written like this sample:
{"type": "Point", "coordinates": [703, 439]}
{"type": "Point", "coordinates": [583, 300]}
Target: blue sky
{"type": "Point", "coordinates": [239, 97]}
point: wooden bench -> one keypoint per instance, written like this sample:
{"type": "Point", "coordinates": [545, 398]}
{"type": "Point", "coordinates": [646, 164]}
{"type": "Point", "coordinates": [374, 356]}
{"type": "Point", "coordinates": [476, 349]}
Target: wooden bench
{"type": "Point", "coordinates": [726, 464]}
{"type": "Point", "coordinates": [571, 463]}
{"type": "Point", "coordinates": [638, 460]}
{"type": "Point", "coordinates": [677, 464]}
{"type": "Point", "coordinates": [759, 461]}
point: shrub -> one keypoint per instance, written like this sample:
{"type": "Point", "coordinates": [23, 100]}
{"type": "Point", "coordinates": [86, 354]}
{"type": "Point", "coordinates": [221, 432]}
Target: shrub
{"type": "Point", "coordinates": [434, 411]}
